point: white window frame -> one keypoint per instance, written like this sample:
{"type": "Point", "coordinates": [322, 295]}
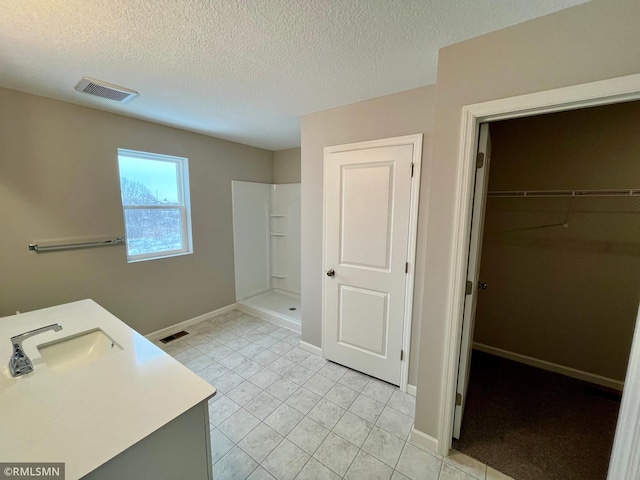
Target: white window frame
{"type": "Point", "coordinates": [184, 204]}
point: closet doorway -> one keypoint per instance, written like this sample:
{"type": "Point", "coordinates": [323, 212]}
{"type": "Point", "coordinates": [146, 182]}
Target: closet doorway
{"type": "Point", "coordinates": [561, 268]}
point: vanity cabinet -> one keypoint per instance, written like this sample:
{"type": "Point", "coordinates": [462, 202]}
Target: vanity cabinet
{"type": "Point", "coordinates": [179, 450]}
{"type": "Point", "coordinates": [126, 413]}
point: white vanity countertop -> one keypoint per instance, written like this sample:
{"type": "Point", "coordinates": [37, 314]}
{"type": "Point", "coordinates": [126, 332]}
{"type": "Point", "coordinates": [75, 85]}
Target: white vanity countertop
{"type": "Point", "coordinates": [86, 416]}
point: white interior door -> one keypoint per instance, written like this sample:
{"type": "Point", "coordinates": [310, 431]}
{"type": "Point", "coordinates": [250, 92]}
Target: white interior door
{"type": "Point", "coordinates": [367, 212]}
{"type": "Point", "coordinates": [473, 270]}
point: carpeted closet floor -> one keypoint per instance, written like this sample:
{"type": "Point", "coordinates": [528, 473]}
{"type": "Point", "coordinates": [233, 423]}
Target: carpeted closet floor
{"type": "Point", "coordinates": [536, 425]}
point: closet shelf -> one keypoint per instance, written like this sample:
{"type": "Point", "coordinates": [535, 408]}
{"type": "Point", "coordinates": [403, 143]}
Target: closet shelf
{"type": "Point", "coordinates": [565, 193]}
{"type": "Point", "coordinates": [278, 234]}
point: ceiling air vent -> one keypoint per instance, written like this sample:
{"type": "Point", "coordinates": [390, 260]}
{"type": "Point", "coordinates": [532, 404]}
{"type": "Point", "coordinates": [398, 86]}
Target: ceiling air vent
{"type": "Point", "coordinates": [105, 90]}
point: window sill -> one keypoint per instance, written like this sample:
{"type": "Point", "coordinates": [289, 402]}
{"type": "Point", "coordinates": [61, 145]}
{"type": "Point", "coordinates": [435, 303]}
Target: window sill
{"type": "Point", "coordinates": [144, 258]}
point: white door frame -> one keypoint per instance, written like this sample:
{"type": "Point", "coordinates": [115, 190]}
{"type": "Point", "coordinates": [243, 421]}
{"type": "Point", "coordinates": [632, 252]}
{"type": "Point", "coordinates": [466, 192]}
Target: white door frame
{"type": "Point", "coordinates": [416, 141]}
{"type": "Point", "coordinates": [602, 92]}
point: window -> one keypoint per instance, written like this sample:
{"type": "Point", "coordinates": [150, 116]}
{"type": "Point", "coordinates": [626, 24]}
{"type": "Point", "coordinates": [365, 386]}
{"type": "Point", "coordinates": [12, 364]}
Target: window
{"type": "Point", "coordinates": [155, 200]}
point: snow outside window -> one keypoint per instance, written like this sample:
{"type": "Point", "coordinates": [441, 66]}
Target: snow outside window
{"type": "Point", "coordinates": [155, 201]}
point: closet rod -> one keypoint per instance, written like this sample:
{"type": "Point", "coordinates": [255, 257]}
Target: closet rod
{"type": "Point", "coordinates": [564, 193]}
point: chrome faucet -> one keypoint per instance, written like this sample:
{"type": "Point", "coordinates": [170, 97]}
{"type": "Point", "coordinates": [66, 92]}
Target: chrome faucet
{"type": "Point", "coordinates": [19, 363]}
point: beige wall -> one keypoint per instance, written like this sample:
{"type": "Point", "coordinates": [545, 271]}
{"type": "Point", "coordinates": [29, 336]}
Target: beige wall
{"type": "Point", "coordinates": [564, 295]}
{"type": "Point", "coordinates": [286, 166]}
{"type": "Point", "coordinates": [59, 178]}
{"type": "Point", "coordinates": [590, 42]}
{"type": "Point", "coordinates": [390, 116]}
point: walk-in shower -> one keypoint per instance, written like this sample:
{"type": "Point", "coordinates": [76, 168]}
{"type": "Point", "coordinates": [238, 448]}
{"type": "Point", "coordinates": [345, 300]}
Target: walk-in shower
{"type": "Point", "coordinates": [266, 235]}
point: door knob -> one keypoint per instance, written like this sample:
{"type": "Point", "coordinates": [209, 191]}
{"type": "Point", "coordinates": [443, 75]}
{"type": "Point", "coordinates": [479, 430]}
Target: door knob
{"type": "Point", "coordinates": [331, 272]}
{"type": "Point", "coordinates": [483, 286]}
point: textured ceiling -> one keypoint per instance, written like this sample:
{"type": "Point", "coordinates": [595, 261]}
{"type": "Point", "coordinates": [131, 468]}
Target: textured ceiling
{"type": "Point", "coordinates": [244, 70]}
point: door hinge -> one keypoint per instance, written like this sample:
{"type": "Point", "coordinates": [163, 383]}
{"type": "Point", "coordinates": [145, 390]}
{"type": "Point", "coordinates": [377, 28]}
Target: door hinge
{"type": "Point", "coordinates": [401, 355]}
{"type": "Point", "coordinates": [406, 267]}
{"type": "Point", "coordinates": [412, 169]}
{"type": "Point", "coordinates": [469, 288]}
{"type": "Point", "coordinates": [458, 400]}
{"type": "Point", "coordinates": [480, 160]}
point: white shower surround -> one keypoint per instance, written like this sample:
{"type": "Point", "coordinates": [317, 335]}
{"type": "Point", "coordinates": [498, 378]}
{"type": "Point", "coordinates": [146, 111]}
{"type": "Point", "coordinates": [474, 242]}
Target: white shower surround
{"type": "Point", "coordinates": [285, 236]}
{"type": "Point", "coordinates": [266, 232]}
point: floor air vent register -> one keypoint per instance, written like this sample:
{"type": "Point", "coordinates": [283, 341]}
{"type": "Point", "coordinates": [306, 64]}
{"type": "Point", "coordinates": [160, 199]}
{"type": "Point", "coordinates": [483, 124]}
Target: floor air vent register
{"type": "Point", "coordinates": [173, 337]}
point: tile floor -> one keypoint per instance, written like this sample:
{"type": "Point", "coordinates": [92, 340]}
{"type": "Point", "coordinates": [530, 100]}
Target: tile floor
{"type": "Point", "coordinates": [284, 413]}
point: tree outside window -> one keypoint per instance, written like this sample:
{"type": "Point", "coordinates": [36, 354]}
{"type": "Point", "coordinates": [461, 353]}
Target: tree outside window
{"type": "Point", "coordinates": [155, 200]}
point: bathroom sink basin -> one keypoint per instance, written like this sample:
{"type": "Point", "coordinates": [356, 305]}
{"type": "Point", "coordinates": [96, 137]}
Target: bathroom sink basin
{"type": "Point", "coordinates": [74, 351]}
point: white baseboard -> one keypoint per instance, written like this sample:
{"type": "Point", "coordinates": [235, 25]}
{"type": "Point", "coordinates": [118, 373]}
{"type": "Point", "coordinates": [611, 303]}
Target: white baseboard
{"type": "Point", "coordinates": [164, 332]}
{"type": "Point", "coordinates": [310, 348]}
{"type": "Point", "coordinates": [424, 441]}
{"type": "Point", "coordinates": [279, 320]}
{"type": "Point", "coordinates": [411, 389]}
{"type": "Point", "coordinates": [551, 367]}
